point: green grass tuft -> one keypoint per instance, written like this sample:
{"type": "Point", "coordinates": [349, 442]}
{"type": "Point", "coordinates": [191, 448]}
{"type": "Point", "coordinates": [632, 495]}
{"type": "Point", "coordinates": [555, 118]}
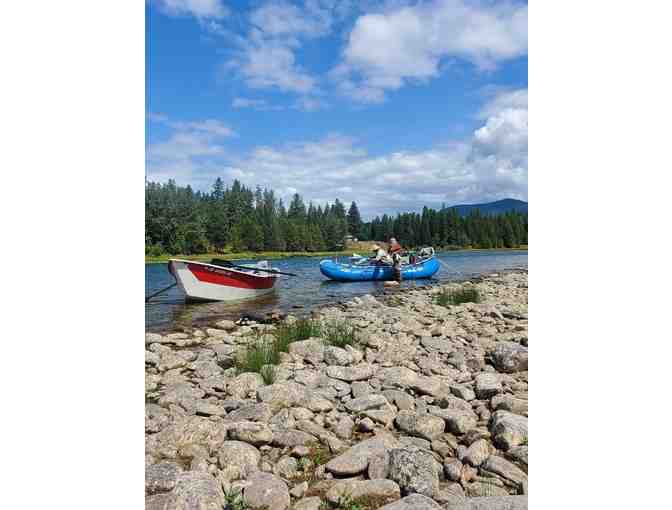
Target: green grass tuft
{"type": "Point", "coordinates": [233, 500]}
{"type": "Point", "coordinates": [301, 329]}
{"type": "Point", "coordinates": [458, 296]}
{"type": "Point", "coordinates": [339, 334]}
{"type": "Point", "coordinates": [258, 353]}
{"type": "Point", "coordinates": [268, 374]}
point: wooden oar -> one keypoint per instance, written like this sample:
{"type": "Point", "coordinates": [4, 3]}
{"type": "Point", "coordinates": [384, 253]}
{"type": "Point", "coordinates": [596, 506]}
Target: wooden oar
{"type": "Point", "coordinates": [226, 263]}
{"type": "Point", "coordinates": [160, 292]}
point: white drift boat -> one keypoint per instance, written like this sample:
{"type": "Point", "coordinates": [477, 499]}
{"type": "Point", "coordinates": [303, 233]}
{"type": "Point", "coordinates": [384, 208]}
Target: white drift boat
{"type": "Point", "coordinates": [222, 281]}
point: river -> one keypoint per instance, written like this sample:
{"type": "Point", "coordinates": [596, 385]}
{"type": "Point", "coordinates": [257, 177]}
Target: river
{"type": "Point", "coordinates": [308, 289]}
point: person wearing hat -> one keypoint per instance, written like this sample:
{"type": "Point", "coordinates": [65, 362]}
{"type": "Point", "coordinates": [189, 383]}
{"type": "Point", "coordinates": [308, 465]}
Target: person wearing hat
{"type": "Point", "coordinates": [380, 255]}
{"type": "Point", "coordinates": [395, 247]}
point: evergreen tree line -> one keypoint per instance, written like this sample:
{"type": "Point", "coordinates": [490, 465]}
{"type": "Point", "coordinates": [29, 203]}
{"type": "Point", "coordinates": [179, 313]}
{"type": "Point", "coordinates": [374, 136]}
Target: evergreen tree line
{"type": "Point", "coordinates": [179, 220]}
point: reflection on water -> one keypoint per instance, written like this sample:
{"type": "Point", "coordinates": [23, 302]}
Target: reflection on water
{"type": "Point", "coordinates": [307, 289]}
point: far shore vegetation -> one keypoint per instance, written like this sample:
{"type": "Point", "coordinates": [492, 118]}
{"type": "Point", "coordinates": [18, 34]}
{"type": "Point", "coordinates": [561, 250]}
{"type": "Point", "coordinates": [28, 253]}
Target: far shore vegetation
{"type": "Point", "coordinates": [238, 222]}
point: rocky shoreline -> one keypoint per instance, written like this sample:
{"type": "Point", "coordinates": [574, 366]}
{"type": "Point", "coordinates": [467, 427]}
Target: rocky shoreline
{"type": "Point", "coordinates": [427, 410]}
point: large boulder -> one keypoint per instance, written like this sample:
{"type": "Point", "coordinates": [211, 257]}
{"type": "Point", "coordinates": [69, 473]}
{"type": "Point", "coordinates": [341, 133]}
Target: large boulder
{"type": "Point", "coordinates": [509, 357]}
{"type": "Point", "coordinates": [425, 425]}
{"type": "Point", "coordinates": [354, 373]}
{"type": "Point", "coordinates": [501, 467]}
{"type": "Point", "coordinates": [251, 432]}
{"type": "Point", "coordinates": [237, 460]}
{"type": "Point", "coordinates": [487, 385]}
{"type": "Point", "coordinates": [311, 350]}
{"type": "Point", "coordinates": [161, 477]}
{"type": "Point", "coordinates": [244, 385]}
{"type": "Point", "coordinates": [492, 503]}
{"type": "Point", "coordinates": [365, 403]}
{"type": "Point", "coordinates": [196, 490]}
{"type": "Point", "coordinates": [508, 429]}
{"type": "Point", "coordinates": [382, 491]}
{"type": "Point", "coordinates": [279, 395]}
{"type": "Point", "coordinates": [415, 470]}
{"type": "Point", "coordinates": [413, 502]}
{"type": "Point", "coordinates": [265, 490]}
{"type": "Point", "coordinates": [356, 459]}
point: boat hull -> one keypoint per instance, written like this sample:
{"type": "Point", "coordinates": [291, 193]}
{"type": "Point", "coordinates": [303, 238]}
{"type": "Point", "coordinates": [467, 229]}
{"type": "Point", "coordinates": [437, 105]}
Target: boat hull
{"type": "Point", "coordinates": [353, 273]}
{"type": "Point", "coordinates": [207, 282]}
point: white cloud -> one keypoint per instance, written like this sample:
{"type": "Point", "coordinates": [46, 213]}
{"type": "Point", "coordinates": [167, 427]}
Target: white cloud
{"type": "Point", "coordinates": [387, 50]}
{"type": "Point", "coordinates": [489, 165]}
{"type": "Point", "coordinates": [255, 104]}
{"type": "Point", "coordinates": [201, 9]}
{"type": "Point", "coordinates": [266, 64]}
{"type": "Point", "coordinates": [189, 152]}
{"type": "Point", "coordinates": [266, 57]}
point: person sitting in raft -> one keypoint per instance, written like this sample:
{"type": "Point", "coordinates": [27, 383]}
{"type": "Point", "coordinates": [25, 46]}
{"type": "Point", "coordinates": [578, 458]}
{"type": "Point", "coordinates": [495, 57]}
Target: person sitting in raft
{"type": "Point", "coordinates": [395, 247]}
{"type": "Point", "coordinates": [380, 255]}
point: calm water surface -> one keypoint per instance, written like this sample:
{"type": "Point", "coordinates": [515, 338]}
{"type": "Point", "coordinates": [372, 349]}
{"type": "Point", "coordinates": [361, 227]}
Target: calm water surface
{"type": "Point", "coordinates": [308, 289]}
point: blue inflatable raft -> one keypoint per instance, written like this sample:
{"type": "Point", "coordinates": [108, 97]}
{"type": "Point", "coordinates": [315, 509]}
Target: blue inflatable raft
{"type": "Point", "coordinates": [361, 273]}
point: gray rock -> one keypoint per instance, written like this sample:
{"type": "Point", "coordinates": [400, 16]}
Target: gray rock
{"type": "Point", "coordinates": [244, 385]}
{"type": "Point", "coordinates": [343, 428]}
{"type": "Point", "coordinates": [226, 325]}
{"type": "Point", "coordinates": [311, 350]}
{"type": "Point", "coordinates": [493, 503]}
{"type": "Point", "coordinates": [238, 460]}
{"type": "Point", "coordinates": [477, 453]}
{"type": "Point", "coordinates": [509, 357]}
{"type": "Point", "coordinates": [400, 377]}
{"type": "Point", "coordinates": [195, 490]}
{"type": "Point", "coordinates": [518, 454]}
{"type": "Point", "coordinates": [337, 356]}
{"type": "Point", "coordinates": [457, 421]}
{"type": "Point", "coordinates": [326, 437]}
{"type": "Point", "coordinates": [360, 388]}
{"type": "Point", "coordinates": [366, 425]}
{"type": "Point", "coordinates": [365, 403]}
{"type": "Point", "coordinates": [384, 491]}
{"type": "Point", "coordinates": [292, 438]}
{"type": "Point", "coordinates": [311, 503]}
{"type": "Point", "coordinates": [402, 400]}
{"type": "Point", "coordinates": [463, 392]}
{"type": "Point", "coordinates": [253, 412]}
{"type": "Point", "coordinates": [413, 502]}
{"type": "Point", "coordinates": [190, 430]}
{"type": "Point", "coordinates": [487, 385]}
{"type": "Point", "coordinates": [161, 477]}
{"type": "Point", "coordinates": [430, 386]}
{"type": "Point", "coordinates": [158, 501]}
{"type": "Point", "coordinates": [441, 345]}
{"type": "Point", "coordinates": [355, 373]}
{"type": "Point", "coordinates": [482, 488]}
{"type": "Point", "coordinates": [452, 468]}
{"type": "Point", "coordinates": [415, 470]}
{"type": "Point", "coordinates": [509, 403]}
{"type": "Point", "coordinates": [502, 467]}
{"type": "Point", "coordinates": [425, 426]}
{"type": "Point", "coordinates": [299, 490]}
{"type": "Point", "coordinates": [379, 465]}
{"type": "Point", "coordinates": [508, 429]}
{"type": "Point", "coordinates": [279, 395]}
{"type": "Point", "coordinates": [356, 459]}
{"type": "Point", "coordinates": [251, 432]}
{"type": "Point", "coordinates": [286, 467]}
{"type": "Point", "coordinates": [266, 491]}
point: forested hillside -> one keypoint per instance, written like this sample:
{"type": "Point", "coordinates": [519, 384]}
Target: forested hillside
{"type": "Point", "coordinates": [179, 220]}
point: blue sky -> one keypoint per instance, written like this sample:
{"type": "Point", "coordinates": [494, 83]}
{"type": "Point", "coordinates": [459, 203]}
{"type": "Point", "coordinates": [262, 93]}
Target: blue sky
{"type": "Point", "coordinates": [393, 104]}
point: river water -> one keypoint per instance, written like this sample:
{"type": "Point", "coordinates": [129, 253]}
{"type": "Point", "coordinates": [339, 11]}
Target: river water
{"type": "Point", "coordinates": [308, 289]}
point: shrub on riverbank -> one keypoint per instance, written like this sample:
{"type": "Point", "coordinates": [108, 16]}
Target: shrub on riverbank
{"type": "Point", "coordinates": [301, 329]}
{"type": "Point", "coordinates": [458, 296]}
{"type": "Point", "coordinates": [260, 352]}
{"type": "Point", "coordinates": [339, 334]}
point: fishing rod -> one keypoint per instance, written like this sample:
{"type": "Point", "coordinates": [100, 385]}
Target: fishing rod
{"type": "Point", "coordinates": [226, 263]}
{"type": "Point", "coordinates": [159, 292]}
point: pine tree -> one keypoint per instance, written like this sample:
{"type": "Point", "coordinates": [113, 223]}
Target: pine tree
{"type": "Point", "coordinates": [354, 220]}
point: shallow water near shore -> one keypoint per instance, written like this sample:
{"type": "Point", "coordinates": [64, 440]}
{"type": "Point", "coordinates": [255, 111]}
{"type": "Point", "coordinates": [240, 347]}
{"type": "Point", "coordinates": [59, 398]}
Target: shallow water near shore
{"type": "Point", "coordinates": [307, 290]}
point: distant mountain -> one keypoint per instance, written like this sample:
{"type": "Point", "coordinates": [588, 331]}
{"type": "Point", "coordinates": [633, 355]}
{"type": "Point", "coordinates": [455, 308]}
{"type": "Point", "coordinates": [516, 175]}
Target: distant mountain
{"type": "Point", "coordinates": [493, 208]}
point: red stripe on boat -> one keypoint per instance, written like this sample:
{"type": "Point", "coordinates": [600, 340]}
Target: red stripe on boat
{"type": "Point", "coordinates": [230, 278]}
